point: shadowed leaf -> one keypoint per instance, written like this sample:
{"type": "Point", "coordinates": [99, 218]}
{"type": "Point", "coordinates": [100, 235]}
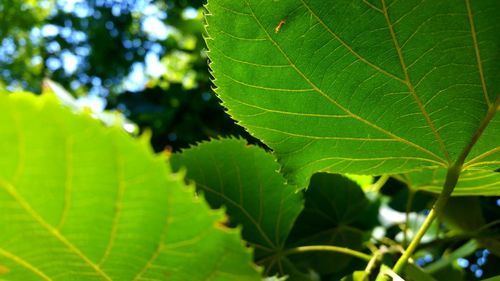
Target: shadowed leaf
{"type": "Point", "coordinates": [245, 180]}
{"type": "Point", "coordinates": [336, 213]}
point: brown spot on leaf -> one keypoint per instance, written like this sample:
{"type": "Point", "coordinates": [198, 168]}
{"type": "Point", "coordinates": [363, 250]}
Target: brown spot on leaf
{"type": "Point", "coordinates": [4, 269]}
{"type": "Point", "coordinates": [223, 224]}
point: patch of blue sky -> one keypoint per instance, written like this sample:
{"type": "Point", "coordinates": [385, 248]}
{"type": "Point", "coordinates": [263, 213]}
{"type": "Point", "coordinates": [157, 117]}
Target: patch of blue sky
{"type": "Point", "coordinates": [93, 102]}
{"type": "Point", "coordinates": [463, 263]}
{"type": "Point", "coordinates": [151, 17]}
{"type": "Point", "coordinates": [49, 30]}
{"type": "Point", "coordinates": [136, 79]}
{"type": "Point", "coordinates": [151, 10]}
{"type": "Point", "coordinates": [53, 47]}
{"type": "Point", "coordinates": [68, 6]}
{"type": "Point", "coordinates": [65, 32]}
{"type": "Point", "coordinates": [70, 62]}
{"type": "Point", "coordinates": [82, 51]}
{"type": "Point", "coordinates": [154, 67]}
{"type": "Point", "coordinates": [36, 60]}
{"type": "Point", "coordinates": [35, 35]}
{"type": "Point", "coordinates": [155, 28]}
{"type": "Point", "coordinates": [7, 49]}
{"type": "Point", "coordinates": [190, 13]}
{"type": "Point", "coordinates": [77, 37]}
{"type": "Point", "coordinates": [44, 4]}
{"type": "Point", "coordinates": [53, 63]}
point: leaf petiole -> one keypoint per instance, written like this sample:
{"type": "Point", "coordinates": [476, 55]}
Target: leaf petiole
{"type": "Point", "coordinates": [328, 248]}
{"type": "Point", "coordinates": [451, 181]}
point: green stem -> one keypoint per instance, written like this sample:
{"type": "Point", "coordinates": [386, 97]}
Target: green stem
{"type": "Point", "coordinates": [374, 262]}
{"type": "Point", "coordinates": [450, 183]}
{"type": "Point", "coordinates": [409, 204]}
{"type": "Point", "coordinates": [485, 227]}
{"type": "Point", "coordinates": [379, 183]}
{"type": "Point", "coordinates": [325, 248]}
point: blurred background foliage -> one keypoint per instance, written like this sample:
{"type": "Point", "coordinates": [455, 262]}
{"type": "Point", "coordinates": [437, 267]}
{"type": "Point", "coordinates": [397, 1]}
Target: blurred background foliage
{"type": "Point", "coordinates": [147, 60]}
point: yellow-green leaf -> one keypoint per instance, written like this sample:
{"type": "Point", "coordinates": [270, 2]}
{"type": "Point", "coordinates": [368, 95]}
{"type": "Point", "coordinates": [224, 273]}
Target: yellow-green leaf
{"type": "Point", "coordinates": [79, 201]}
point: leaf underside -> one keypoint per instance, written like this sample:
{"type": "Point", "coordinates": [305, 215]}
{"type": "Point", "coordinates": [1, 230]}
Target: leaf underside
{"type": "Point", "coordinates": [336, 213]}
{"type": "Point", "coordinates": [79, 201]}
{"type": "Point", "coordinates": [245, 180]}
{"type": "Point", "coordinates": [473, 182]}
{"type": "Point", "coordinates": [365, 87]}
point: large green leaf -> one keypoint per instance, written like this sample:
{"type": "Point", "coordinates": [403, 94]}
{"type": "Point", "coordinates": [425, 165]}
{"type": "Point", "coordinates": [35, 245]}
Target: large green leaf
{"type": "Point", "coordinates": [471, 182]}
{"type": "Point", "coordinates": [415, 273]}
{"type": "Point", "coordinates": [246, 181]}
{"type": "Point", "coordinates": [79, 201]}
{"type": "Point", "coordinates": [365, 86]}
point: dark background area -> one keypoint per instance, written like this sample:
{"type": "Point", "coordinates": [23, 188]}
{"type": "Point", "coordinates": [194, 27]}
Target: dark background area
{"type": "Point", "coordinates": [146, 59]}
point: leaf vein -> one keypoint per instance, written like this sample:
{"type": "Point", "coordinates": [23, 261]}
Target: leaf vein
{"type": "Point", "coordinates": [117, 209]}
{"type": "Point", "coordinates": [324, 138]}
{"type": "Point", "coordinates": [243, 210]}
{"type": "Point", "coordinates": [347, 46]}
{"type": "Point", "coordinates": [333, 101]}
{"type": "Point", "coordinates": [53, 231]}
{"type": "Point", "coordinates": [24, 264]}
{"type": "Point", "coordinates": [267, 88]}
{"type": "Point", "coordinates": [477, 52]}
{"type": "Point", "coordinates": [410, 85]}
{"type": "Point", "coordinates": [68, 184]}
{"type": "Point", "coordinates": [268, 110]}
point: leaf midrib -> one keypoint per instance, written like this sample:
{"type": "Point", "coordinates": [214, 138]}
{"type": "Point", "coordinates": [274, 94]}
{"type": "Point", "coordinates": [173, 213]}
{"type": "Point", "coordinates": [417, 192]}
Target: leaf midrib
{"type": "Point", "coordinates": [244, 211]}
{"type": "Point", "coordinates": [333, 101]}
{"type": "Point", "coordinates": [55, 231]}
{"type": "Point", "coordinates": [410, 85]}
{"type": "Point", "coordinates": [477, 52]}
{"type": "Point", "coordinates": [407, 82]}
{"type": "Point", "coordinates": [160, 245]}
{"type": "Point", "coordinates": [11, 190]}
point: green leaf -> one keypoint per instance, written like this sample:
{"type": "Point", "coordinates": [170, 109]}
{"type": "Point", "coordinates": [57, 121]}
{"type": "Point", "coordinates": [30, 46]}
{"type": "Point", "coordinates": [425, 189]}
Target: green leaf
{"type": "Point", "coordinates": [387, 272]}
{"type": "Point", "coordinates": [460, 219]}
{"type": "Point", "coordinates": [415, 273]}
{"type": "Point", "coordinates": [448, 258]}
{"type": "Point", "coordinates": [470, 183]}
{"type": "Point", "coordinates": [246, 181]}
{"type": "Point", "coordinates": [357, 276]}
{"type": "Point", "coordinates": [79, 201]}
{"type": "Point", "coordinates": [336, 213]}
{"type": "Point", "coordinates": [496, 278]}
{"type": "Point", "coordinates": [364, 87]}
{"type": "Point", "coordinates": [454, 273]}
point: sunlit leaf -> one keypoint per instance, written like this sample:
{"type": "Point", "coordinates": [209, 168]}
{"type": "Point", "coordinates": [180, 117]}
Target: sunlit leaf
{"type": "Point", "coordinates": [470, 183]}
{"type": "Point", "coordinates": [79, 201]}
{"type": "Point", "coordinates": [364, 87]}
